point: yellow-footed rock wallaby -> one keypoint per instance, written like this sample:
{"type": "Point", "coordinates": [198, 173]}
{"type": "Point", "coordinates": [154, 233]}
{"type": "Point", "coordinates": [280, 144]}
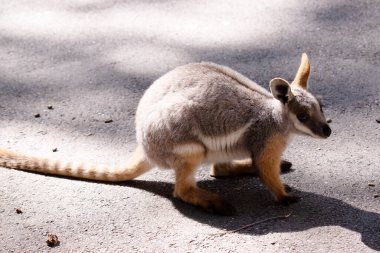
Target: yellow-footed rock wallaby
{"type": "Point", "coordinates": [204, 113]}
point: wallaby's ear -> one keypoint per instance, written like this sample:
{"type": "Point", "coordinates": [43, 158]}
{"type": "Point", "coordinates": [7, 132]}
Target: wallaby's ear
{"type": "Point", "coordinates": [303, 72]}
{"type": "Point", "coordinates": [281, 90]}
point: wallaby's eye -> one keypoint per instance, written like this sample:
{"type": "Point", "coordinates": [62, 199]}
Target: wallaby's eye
{"type": "Point", "coordinates": [303, 117]}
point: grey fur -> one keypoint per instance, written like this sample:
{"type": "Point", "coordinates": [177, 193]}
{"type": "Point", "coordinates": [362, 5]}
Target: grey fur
{"type": "Point", "coordinates": [204, 101]}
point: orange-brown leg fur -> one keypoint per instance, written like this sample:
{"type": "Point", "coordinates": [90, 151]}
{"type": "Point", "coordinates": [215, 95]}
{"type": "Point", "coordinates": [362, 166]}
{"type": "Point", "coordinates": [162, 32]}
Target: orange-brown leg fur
{"type": "Point", "coordinates": [187, 190]}
{"type": "Point", "coordinates": [268, 164]}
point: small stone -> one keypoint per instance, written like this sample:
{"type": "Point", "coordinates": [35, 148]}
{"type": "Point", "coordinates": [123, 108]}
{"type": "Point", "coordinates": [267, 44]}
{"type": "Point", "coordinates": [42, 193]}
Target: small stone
{"type": "Point", "coordinates": [89, 134]}
{"type": "Point", "coordinates": [37, 115]}
{"type": "Point", "coordinates": [18, 211]}
{"type": "Point", "coordinates": [50, 107]}
{"type": "Point", "coordinates": [52, 240]}
{"type": "Point", "coordinates": [378, 120]}
{"type": "Point", "coordinates": [55, 149]}
{"type": "Point", "coordinates": [329, 120]}
{"type": "Point", "coordinates": [371, 184]}
{"type": "Point", "coordinates": [108, 121]}
{"type": "Point", "coordinates": [376, 195]}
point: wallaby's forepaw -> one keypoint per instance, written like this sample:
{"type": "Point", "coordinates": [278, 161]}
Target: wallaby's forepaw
{"type": "Point", "coordinates": [285, 166]}
{"type": "Point", "coordinates": [219, 206]}
{"type": "Point", "coordinates": [289, 199]}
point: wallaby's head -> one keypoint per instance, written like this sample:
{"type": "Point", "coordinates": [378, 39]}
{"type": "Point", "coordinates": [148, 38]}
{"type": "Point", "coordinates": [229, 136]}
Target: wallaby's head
{"type": "Point", "coordinates": [303, 109]}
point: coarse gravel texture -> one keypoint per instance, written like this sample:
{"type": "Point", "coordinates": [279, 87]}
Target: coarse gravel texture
{"type": "Point", "coordinates": [91, 60]}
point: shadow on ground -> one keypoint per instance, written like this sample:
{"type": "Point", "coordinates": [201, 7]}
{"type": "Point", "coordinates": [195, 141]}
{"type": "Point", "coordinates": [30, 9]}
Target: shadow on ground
{"type": "Point", "coordinates": [312, 211]}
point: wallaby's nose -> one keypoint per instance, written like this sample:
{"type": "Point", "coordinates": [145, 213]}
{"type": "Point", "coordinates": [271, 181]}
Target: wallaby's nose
{"type": "Point", "coordinates": [326, 130]}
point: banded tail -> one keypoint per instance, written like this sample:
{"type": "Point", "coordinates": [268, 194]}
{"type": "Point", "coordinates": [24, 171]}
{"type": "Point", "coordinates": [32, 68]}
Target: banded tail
{"type": "Point", "coordinates": [136, 165]}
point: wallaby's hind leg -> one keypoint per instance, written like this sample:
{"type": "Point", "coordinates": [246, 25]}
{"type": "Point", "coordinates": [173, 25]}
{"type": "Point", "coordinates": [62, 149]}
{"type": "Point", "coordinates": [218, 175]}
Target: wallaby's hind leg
{"type": "Point", "coordinates": [242, 168]}
{"type": "Point", "coordinates": [187, 190]}
{"type": "Point", "coordinates": [268, 164]}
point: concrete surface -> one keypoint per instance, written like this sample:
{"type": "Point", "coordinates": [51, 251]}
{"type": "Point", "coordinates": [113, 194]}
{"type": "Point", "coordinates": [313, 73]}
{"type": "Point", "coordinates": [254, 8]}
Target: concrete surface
{"type": "Point", "coordinates": [92, 59]}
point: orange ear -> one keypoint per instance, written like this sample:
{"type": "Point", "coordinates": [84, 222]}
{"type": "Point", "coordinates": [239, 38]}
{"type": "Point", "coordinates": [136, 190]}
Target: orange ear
{"type": "Point", "coordinates": [303, 72]}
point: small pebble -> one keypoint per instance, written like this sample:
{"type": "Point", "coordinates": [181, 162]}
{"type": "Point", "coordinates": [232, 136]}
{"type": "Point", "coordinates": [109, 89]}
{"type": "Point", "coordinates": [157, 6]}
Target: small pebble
{"type": "Point", "coordinates": [378, 120]}
{"type": "Point", "coordinates": [50, 107]}
{"type": "Point", "coordinates": [376, 195]}
{"type": "Point", "coordinates": [108, 121]}
{"type": "Point", "coordinates": [329, 120]}
{"type": "Point", "coordinates": [55, 149]}
{"type": "Point", "coordinates": [18, 211]}
{"type": "Point", "coordinates": [37, 115]}
{"type": "Point", "coordinates": [52, 240]}
{"type": "Point", "coordinates": [371, 184]}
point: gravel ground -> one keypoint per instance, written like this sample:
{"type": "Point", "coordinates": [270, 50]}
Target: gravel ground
{"type": "Point", "coordinates": [91, 60]}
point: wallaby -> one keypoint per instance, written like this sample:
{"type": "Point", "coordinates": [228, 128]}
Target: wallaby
{"type": "Point", "coordinates": [204, 113]}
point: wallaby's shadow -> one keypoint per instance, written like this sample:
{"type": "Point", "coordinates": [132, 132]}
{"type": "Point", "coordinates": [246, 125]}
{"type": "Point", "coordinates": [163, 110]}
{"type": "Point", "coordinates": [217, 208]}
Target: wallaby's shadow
{"type": "Point", "coordinates": [255, 203]}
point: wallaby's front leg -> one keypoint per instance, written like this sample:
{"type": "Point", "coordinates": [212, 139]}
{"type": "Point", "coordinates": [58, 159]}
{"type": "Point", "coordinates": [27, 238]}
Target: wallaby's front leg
{"type": "Point", "coordinates": [187, 190]}
{"type": "Point", "coordinates": [268, 164]}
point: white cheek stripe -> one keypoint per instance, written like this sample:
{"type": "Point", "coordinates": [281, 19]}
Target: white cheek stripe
{"type": "Point", "coordinates": [300, 127]}
{"type": "Point", "coordinates": [224, 142]}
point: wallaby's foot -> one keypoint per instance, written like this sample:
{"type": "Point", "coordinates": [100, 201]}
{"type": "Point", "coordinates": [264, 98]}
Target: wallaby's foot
{"type": "Point", "coordinates": [289, 199]}
{"type": "Point", "coordinates": [210, 202]}
{"type": "Point", "coordinates": [285, 166]}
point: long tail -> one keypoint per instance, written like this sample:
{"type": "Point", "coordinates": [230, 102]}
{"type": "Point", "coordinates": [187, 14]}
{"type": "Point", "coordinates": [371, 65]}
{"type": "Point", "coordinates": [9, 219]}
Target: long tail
{"type": "Point", "coordinates": [136, 165]}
